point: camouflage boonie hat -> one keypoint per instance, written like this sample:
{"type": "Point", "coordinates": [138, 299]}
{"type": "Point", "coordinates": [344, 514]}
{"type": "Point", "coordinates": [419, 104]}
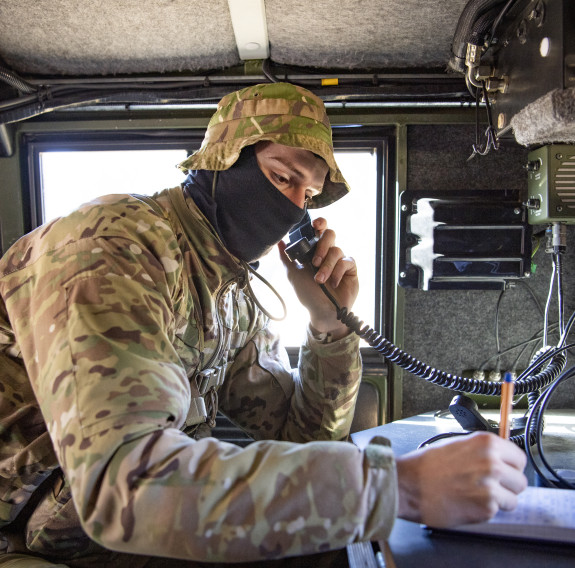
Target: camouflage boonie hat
{"type": "Point", "coordinates": [280, 112]}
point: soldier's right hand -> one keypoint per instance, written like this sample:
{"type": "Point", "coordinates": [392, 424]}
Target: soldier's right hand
{"type": "Point", "coordinates": [462, 480]}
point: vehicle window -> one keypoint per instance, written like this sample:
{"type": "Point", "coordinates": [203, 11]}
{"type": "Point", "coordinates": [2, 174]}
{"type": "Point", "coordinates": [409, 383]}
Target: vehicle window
{"type": "Point", "coordinates": [70, 179]}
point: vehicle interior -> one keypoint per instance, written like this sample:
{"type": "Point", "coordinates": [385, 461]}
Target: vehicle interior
{"type": "Point", "coordinates": [461, 114]}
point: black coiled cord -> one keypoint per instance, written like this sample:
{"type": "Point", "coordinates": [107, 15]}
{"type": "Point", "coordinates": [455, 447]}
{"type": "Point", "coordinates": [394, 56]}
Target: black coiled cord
{"type": "Point", "coordinates": [525, 383]}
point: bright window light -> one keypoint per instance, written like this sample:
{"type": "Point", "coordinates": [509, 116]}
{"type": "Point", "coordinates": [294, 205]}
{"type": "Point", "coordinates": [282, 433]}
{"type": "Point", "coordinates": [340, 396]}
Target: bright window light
{"type": "Point", "coordinates": [70, 179]}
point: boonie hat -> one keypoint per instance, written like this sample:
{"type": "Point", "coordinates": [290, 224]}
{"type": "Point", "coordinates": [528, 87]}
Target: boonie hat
{"type": "Point", "coordinates": [281, 112]}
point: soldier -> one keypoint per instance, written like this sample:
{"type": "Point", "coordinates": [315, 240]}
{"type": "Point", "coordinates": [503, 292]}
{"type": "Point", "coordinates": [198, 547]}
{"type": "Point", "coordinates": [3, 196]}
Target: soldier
{"type": "Point", "coordinates": [125, 325]}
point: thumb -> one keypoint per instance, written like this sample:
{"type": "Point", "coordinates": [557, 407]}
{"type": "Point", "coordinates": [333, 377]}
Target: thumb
{"type": "Point", "coordinates": [282, 247]}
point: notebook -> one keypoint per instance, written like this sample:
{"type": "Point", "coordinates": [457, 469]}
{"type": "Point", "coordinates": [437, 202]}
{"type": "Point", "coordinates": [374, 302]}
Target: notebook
{"type": "Point", "coordinates": [542, 513]}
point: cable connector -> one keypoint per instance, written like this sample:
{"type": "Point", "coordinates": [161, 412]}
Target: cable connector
{"type": "Point", "coordinates": [556, 238]}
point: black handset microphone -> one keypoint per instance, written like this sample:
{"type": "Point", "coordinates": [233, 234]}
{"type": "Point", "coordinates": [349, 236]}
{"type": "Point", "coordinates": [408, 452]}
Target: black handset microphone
{"type": "Point", "coordinates": [302, 240]}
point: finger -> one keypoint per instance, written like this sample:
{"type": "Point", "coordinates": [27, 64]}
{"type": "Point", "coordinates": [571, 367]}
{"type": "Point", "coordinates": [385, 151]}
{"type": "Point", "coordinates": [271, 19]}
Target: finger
{"type": "Point", "coordinates": [283, 256]}
{"type": "Point", "coordinates": [345, 267]}
{"type": "Point", "coordinates": [503, 451]}
{"type": "Point", "coordinates": [507, 500]}
{"type": "Point", "coordinates": [513, 480]}
{"type": "Point", "coordinates": [513, 455]}
{"type": "Point", "coordinates": [290, 266]}
{"type": "Point", "coordinates": [328, 264]}
{"type": "Point", "coordinates": [319, 224]}
{"type": "Point", "coordinates": [324, 246]}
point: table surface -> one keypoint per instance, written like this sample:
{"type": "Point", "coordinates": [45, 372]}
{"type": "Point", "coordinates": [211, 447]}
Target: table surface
{"type": "Point", "coordinates": [415, 547]}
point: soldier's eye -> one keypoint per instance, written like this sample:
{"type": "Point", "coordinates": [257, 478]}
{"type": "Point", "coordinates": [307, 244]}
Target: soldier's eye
{"type": "Point", "coordinates": [280, 179]}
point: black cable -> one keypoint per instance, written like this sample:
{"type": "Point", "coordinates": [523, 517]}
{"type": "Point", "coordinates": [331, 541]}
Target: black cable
{"type": "Point", "coordinates": [267, 71]}
{"type": "Point", "coordinates": [535, 338]}
{"type": "Point", "coordinates": [50, 103]}
{"type": "Point", "coordinates": [470, 14]}
{"type": "Point", "coordinates": [535, 298]}
{"type": "Point", "coordinates": [559, 268]}
{"type": "Point", "coordinates": [535, 424]}
{"type": "Point", "coordinates": [491, 142]}
{"type": "Point", "coordinates": [535, 341]}
{"type": "Point", "coordinates": [567, 330]}
{"type": "Point", "coordinates": [497, 20]}
{"type": "Point", "coordinates": [525, 382]}
{"type": "Point", "coordinates": [16, 81]}
{"type": "Point", "coordinates": [498, 354]}
{"type": "Point", "coordinates": [548, 303]}
{"type": "Point", "coordinates": [441, 437]}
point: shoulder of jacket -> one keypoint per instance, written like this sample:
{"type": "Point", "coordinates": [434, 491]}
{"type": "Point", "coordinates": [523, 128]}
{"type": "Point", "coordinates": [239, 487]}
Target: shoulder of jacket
{"type": "Point", "coordinates": [110, 216]}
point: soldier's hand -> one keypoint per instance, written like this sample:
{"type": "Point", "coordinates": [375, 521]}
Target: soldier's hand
{"type": "Point", "coordinates": [337, 271]}
{"type": "Point", "coordinates": [464, 480]}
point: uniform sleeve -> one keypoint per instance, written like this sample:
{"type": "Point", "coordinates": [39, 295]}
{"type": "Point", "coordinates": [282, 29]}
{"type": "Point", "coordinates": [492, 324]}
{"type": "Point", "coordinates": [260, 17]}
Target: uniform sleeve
{"type": "Point", "coordinates": [316, 401]}
{"type": "Point", "coordinates": [97, 342]}
{"type": "Point", "coordinates": [142, 486]}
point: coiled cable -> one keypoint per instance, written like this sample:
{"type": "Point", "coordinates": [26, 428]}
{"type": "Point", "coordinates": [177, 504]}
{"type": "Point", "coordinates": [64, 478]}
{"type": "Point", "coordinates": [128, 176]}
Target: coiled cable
{"type": "Point", "coordinates": [525, 383]}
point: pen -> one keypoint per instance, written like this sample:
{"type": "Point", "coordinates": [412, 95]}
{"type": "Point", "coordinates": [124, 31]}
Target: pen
{"type": "Point", "coordinates": [506, 406]}
{"type": "Point", "coordinates": [384, 557]}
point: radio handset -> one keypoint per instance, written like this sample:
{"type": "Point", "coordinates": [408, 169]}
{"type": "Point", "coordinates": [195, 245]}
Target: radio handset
{"type": "Point", "coordinates": [302, 240]}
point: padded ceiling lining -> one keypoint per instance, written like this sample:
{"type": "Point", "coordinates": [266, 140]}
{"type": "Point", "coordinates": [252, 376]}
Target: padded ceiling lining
{"type": "Point", "coordinates": [68, 37]}
{"type": "Point", "coordinates": [362, 34]}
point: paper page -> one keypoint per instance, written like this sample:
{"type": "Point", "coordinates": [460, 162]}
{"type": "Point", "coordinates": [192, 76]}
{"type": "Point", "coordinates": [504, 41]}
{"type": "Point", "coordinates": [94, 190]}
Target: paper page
{"type": "Point", "coordinates": [542, 513]}
{"type": "Point", "coordinates": [541, 506]}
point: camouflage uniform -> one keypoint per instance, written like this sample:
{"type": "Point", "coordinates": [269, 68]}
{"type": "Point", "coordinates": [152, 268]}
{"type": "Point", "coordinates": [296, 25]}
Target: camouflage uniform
{"type": "Point", "coordinates": [106, 318]}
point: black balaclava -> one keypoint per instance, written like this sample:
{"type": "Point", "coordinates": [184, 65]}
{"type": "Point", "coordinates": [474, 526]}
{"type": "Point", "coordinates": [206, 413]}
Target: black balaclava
{"type": "Point", "coordinates": [247, 211]}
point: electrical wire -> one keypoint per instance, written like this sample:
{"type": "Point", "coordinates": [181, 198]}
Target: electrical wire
{"type": "Point", "coordinates": [267, 71]}
{"type": "Point", "coordinates": [566, 331]}
{"type": "Point", "coordinates": [442, 436]}
{"type": "Point", "coordinates": [533, 296]}
{"type": "Point", "coordinates": [559, 268]}
{"type": "Point", "coordinates": [497, 342]}
{"type": "Point", "coordinates": [535, 424]}
{"type": "Point", "coordinates": [252, 295]}
{"type": "Point", "coordinates": [535, 338]}
{"type": "Point", "coordinates": [491, 142]}
{"type": "Point", "coordinates": [547, 305]}
{"type": "Point", "coordinates": [15, 81]}
{"type": "Point", "coordinates": [499, 353]}
{"type": "Point", "coordinates": [533, 342]}
{"type": "Point", "coordinates": [498, 19]}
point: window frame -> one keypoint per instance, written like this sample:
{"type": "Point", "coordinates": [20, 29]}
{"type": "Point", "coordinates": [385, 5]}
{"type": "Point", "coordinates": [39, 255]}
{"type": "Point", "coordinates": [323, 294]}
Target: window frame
{"type": "Point", "coordinates": [348, 137]}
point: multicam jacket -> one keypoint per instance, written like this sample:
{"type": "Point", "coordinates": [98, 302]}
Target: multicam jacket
{"type": "Point", "coordinates": [106, 317]}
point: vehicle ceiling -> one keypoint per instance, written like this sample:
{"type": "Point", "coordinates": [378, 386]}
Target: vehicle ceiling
{"type": "Point", "coordinates": [183, 51]}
